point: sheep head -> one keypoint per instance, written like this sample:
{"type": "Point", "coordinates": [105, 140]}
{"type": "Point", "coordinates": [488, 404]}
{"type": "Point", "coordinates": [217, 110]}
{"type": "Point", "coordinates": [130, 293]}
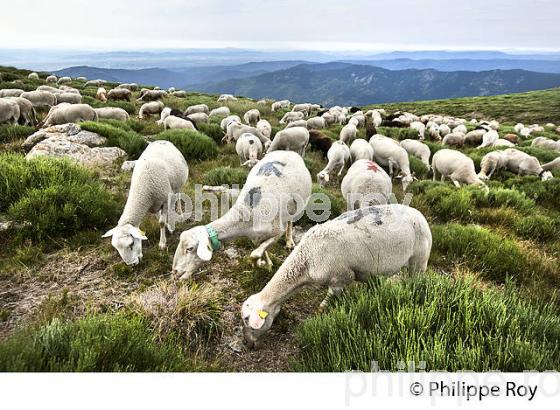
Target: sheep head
{"type": "Point", "coordinates": [127, 240]}
{"type": "Point", "coordinates": [257, 319]}
{"type": "Point", "coordinates": [193, 250]}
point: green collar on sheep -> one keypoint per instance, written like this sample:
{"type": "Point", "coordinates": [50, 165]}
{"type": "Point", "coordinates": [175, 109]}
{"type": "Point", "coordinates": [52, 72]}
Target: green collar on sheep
{"type": "Point", "coordinates": [213, 235]}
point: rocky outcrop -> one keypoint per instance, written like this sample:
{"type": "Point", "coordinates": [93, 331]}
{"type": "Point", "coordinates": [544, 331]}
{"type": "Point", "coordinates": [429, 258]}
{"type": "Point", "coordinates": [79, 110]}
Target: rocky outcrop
{"type": "Point", "coordinates": [70, 141]}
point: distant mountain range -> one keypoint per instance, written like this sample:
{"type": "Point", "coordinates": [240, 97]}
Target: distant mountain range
{"type": "Point", "coordinates": [351, 84]}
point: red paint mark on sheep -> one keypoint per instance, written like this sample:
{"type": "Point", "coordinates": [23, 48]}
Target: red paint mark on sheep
{"type": "Point", "coordinates": [372, 166]}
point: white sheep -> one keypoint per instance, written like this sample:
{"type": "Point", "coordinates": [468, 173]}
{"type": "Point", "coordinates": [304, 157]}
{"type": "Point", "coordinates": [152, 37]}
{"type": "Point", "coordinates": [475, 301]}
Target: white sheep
{"type": "Point", "coordinates": [172, 122]}
{"type": "Point", "coordinates": [40, 98]}
{"type": "Point", "coordinates": [150, 108]}
{"type": "Point", "coordinates": [489, 139]}
{"type": "Point", "coordinates": [235, 129]}
{"type": "Point", "coordinates": [456, 166]}
{"type": "Point", "coordinates": [515, 161]}
{"type": "Point", "coordinates": [101, 94]}
{"type": "Point", "coordinates": [291, 116]}
{"type": "Point", "coordinates": [9, 111]}
{"type": "Point", "coordinates": [366, 183]}
{"type": "Point", "coordinates": [377, 240]}
{"type": "Point", "coordinates": [419, 150]}
{"type": "Point", "coordinates": [337, 157]}
{"type": "Point", "coordinates": [64, 113]}
{"type": "Point", "coordinates": [252, 117]}
{"type": "Point", "coordinates": [275, 194]}
{"type": "Point", "coordinates": [280, 105]}
{"type": "Point", "coordinates": [51, 79]}
{"type": "Point", "coordinates": [70, 98]}
{"type": "Point", "coordinates": [264, 127]}
{"type": "Point", "coordinates": [433, 132]}
{"type": "Point", "coordinates": [518, 127]}
{"type": "Point", "coordinates": [220, 112]}
{"type": "Point", "coordinates": [196, 109]}
{"type": "Point", "coordinates": [226, 121]}
{"type": "Point", "coordinates": [348, 133]}
{"type": "Point", "coordinates": [114, 113]}
{"type": "Point", "coordinates": [249, 148]}
{"type": "Point", "coordinates": [33, 76]}
{"type": "Point", "coordinates": [297, 123]}
{"type": "Point", "coordinates": [316, 123]}
{"type": "Point", "coordinates": [459, 128]}
{"type": "Point", "coordinates": [198, 118]}
{"type": "Point", "coordinates": [64, 80]}
{"type": "Point", "coordinates": [546, 143]}
{"type": "Point", "coordinates": [160, 172]}
{"type": "Point", "coordinates": [226, 97]}
{"type": "Point", "coordinates": [12, 92]}
{"type": "Point", "coordinates": [290, 139]}
{"type": "Point", "coordinates": [420, 127]}
{"type": "Point", "coordinates": [444, 130]}
{"type": "Point", "coordinates": [454, 139]}
{"type": "Point", "coordinates": [390, 154]}
{"type": "Point", "coordinates": [361, 149]}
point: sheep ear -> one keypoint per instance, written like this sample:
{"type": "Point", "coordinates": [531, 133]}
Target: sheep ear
{"type": "Point", "coordinates": [138, 234]}
{"type": "Point", "coordinates": [108, 233]}
{"type": "Point", "coordinates": [257, 318]}
{"type": "Point", "coordinates": [327, 177]}
{"type": "Point", "coordinates": [204, 250]}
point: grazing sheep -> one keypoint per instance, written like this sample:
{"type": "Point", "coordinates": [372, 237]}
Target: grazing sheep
{"type": "Point", "coordinates": [474, 137]}
{"type": "Point", "coordinates": [280, 105]}
{"type": "Point", "coordinates": [338, 156]}
{"type": "Point", "coordinates": [290, 139]}
{"type": "Point", "coordinates": [420, 127]}
{"type": "Point", "coordinates": [456, 166]}
{"type": "Point", "coordinates": [320, 141]}
{"type": "Point", "coordinates": [297, 123]}
{"type": "Point", "coordinates": [171, 90]}
{"type": "Point", "coordinates": [130, 86]}
{"type": "Point", "coordinates": [280, 178]}
{"type": "Point", "coordinates": [226, 121]}
{"type": "Point", "coordinates": [514, 161]}
{"type": "Point", "coordinates": [490, 163]}
{"type": "Point", "coordinates": [172, 122]}
{"type": "Point", "coordinates": [179, 94]}
{"type": "Point", "coordinates": [291, 116]}
{"type": "Point", "coordinates": [119, 94]}
{"type": "Point", "coordinates": [48, 88]}
{"type": "Point", "coordinates": [151, 95]}
{"type": "Point", "coordinates": [555, 163]}
{"type": "Point", "coordinates": [518, 127]}
{"type": "Point", "coordinates": [11, 92]}
{"type": "Point", "coordinates": [265, 128]}
{"type": "Point", "coordinates": [150, 108]}
{"type": "Point", "coordinates": [358, 119]}
{"type": "Point", "coordinates": [348, 133]}
{"type": "Point", "coordinates": [459, 128]}
{"type": "Point", "coordinates": [353, 247]}
{"type": "Point", "coordinates": [226, 97]}
{"type": "Point", "coordinates": [454, 139]}
{"type": "Point", "coordinates": [361, 149]}
{"type": "Point", "coordinates": [112, 113]}
{"type": "Point", "coordinates": [316, 123]}
{"type": "Point", "coordinates": [513, 138]}
{"type": "Point", "coordinates": [389, 153]}
{"type": "Point", "coordinates": [303, 108]}
{"type": "Point", "coordinates": [419, 150]}
{"type": "Point", "coordinates": [329, 117]}
{"type": "Point", "coordinates": [101, 94]}
{"type": "Point", "coordinates": [502, 143]}
{"type": "Point", "coordinates": [445, 130]}
{"type": "Point", "coordinates": [33, 76]}
{"type": "Point", "coordinates": [198, 118]}
{"type": "Point", "coordinates": [40, 98]}
{"type": "Point", "coordinates": [433, 132]}
{"type": "Point", "coordinates": [64, 113]}
{"type": "Point", "coordinates": [26, 110]}
{"type": "Point", "coordinates": [543, 142]}
{"type": "Point", "coordinates": [252, 117]}
{"type": "Point", "coordinates": [193, 109]}
{"type": "Point", "coordinates": [51, 79]}
{"type": "Point", "coordinates": [365, 184]}
{"type": "Point", "coordinates": [550, 126]}
{"type": "Point", "coordinates": [220, 111]}
{"type": "Point", "coordinates": [249, 148]}
{"type": "Point", "coordinates": [235, 129]}
{"type": "Point", "coordinates": [64, 80]}
{"type": "Point", "coordinates": [160, 172]}
{"type": "Point", "coordinates": [489, 139]}
{"type": "Point", "coordinates": [69, 98]}
{"type": "Point", "coordinates": [9, 111]}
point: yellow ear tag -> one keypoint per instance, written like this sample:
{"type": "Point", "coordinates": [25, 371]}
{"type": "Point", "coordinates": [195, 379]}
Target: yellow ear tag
{"type": "Point", "coordinates": [262, 314]}
{"type": "Point", "coordinates": [142, 232]}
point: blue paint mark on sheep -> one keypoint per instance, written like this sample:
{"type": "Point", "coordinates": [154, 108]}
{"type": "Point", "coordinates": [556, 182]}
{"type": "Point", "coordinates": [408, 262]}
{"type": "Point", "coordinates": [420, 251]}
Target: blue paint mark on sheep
{"type": "Point", "coordinates": [253, 197]}
{"type": "Point", "coordinates": [270, 168]}
{"type": "Point", "coordinates": [358, 214]}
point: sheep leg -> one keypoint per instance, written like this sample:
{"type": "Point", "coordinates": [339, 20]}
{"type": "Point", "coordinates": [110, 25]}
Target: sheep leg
{"type": "Point", "coordinates": [162, 216]}
{"type": "Point", "coordinates": [457, 184]}
{"type": "Point", "coordinates": [289, 236]}
{"type": "Point", "coordinates": [332, 291]}
{"type": "Point", "coordinates": [257, 254]}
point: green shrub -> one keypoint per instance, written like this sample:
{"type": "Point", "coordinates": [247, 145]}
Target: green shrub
{"type": "Point", "coordinates": [143, 127]}
{"type": "Point", "coordinates": [545, 193]}
{"type": "Point", "coordinates": [101, 343]}
{"type": "Point", "coordinates": [214, 131]}
{"type": "Point", "coordinates": [398, 133]}
{"type": "Point", "coordinates": [451, 325]}
{"type": "Point", "coordinates": [418, 167]}
{"type": "Point", "coordinates": [337, 205]}
{"type": "Point", "coordinates": [54, 196]}
{"type": "Point", "coordinates": [501, 198]}
{"type": "Point", "coordinates": [447, 203]}
{"type": "Point", "coordinates": [538, 227]}
{"type": "Point", "coordinates": [10, 133]}
{"type": "Point", "coordinates": [193, 144]}
{"type": "Point", "coordinates": [129, 141]}
{"type": "Point", "coordinates": [226, 176]}
{"type": "Point", "coordinates": [494, 256]}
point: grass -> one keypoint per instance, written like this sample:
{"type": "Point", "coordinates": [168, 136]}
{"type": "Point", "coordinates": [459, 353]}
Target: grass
{"type": "Point", "coordinates": [225, 176]}
{"type": "Point", "coordinates": [128, 140]}
{"type": "Point", "coordinates": [449, 324]}
{"type": "Point", "coordinates": [95, 343]}
{"type": "Point", "coordinates": [192, 144]}
{"type": "Point", "coordinates": [11, 133]}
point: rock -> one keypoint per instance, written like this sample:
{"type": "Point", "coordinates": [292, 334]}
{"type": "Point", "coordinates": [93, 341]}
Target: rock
{"type": "Point", "coordinates": [91, 139]}
{"type": "Point", "coordinates": [62, 147]}
{"type": "Point", "coordinates": [231, 253]}
{"type": "Point", "coordinates": [68, 129]}
{"type": "Point", "coordinates": [128, 165]}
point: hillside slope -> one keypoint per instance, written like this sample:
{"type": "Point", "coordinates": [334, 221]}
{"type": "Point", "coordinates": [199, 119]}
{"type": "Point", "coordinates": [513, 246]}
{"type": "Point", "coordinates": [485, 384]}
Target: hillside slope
{"type": "Point", "coordinates": [348, 84]}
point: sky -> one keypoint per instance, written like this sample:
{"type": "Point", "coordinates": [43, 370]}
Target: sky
{"type": "Point", "coordinates": [282, 24]}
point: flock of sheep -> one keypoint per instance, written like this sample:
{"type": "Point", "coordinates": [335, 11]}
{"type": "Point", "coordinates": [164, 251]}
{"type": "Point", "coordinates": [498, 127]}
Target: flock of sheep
{"type": "Point", "coordinates": [373, 237]}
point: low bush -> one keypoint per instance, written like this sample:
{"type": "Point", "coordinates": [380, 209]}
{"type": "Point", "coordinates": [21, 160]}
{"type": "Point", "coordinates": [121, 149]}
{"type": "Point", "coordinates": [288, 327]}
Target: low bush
{"type": "Point", "coordinates": [398, 133]}
{"type": "Point", "coordinates": [193, 144]}
{"type": "Point", "coordinates": [53, 196]}
{"type": "Point", "coordinates": [481, 250]}
{"type": "Point", "coordinates": [337, 206]}
{"type": "Point", "coordinates": [419, 169]}
{"type": "Point", "coordinates": [226, 176]}
{"type": "Point", "coordinates": [97, 343]}
{"type": "Point", "coordinates": [10, 133]}
{"type": "Point", "coordinates": [450, 324]}
{"type": "Point", "coordinates": [214, 131]}
{"type": "Point", "coordinates": [544, 193]}
{"type": "Point", "coordinates": [129, 141]}
{"type": "Point", "coordinates": [538, 227]}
